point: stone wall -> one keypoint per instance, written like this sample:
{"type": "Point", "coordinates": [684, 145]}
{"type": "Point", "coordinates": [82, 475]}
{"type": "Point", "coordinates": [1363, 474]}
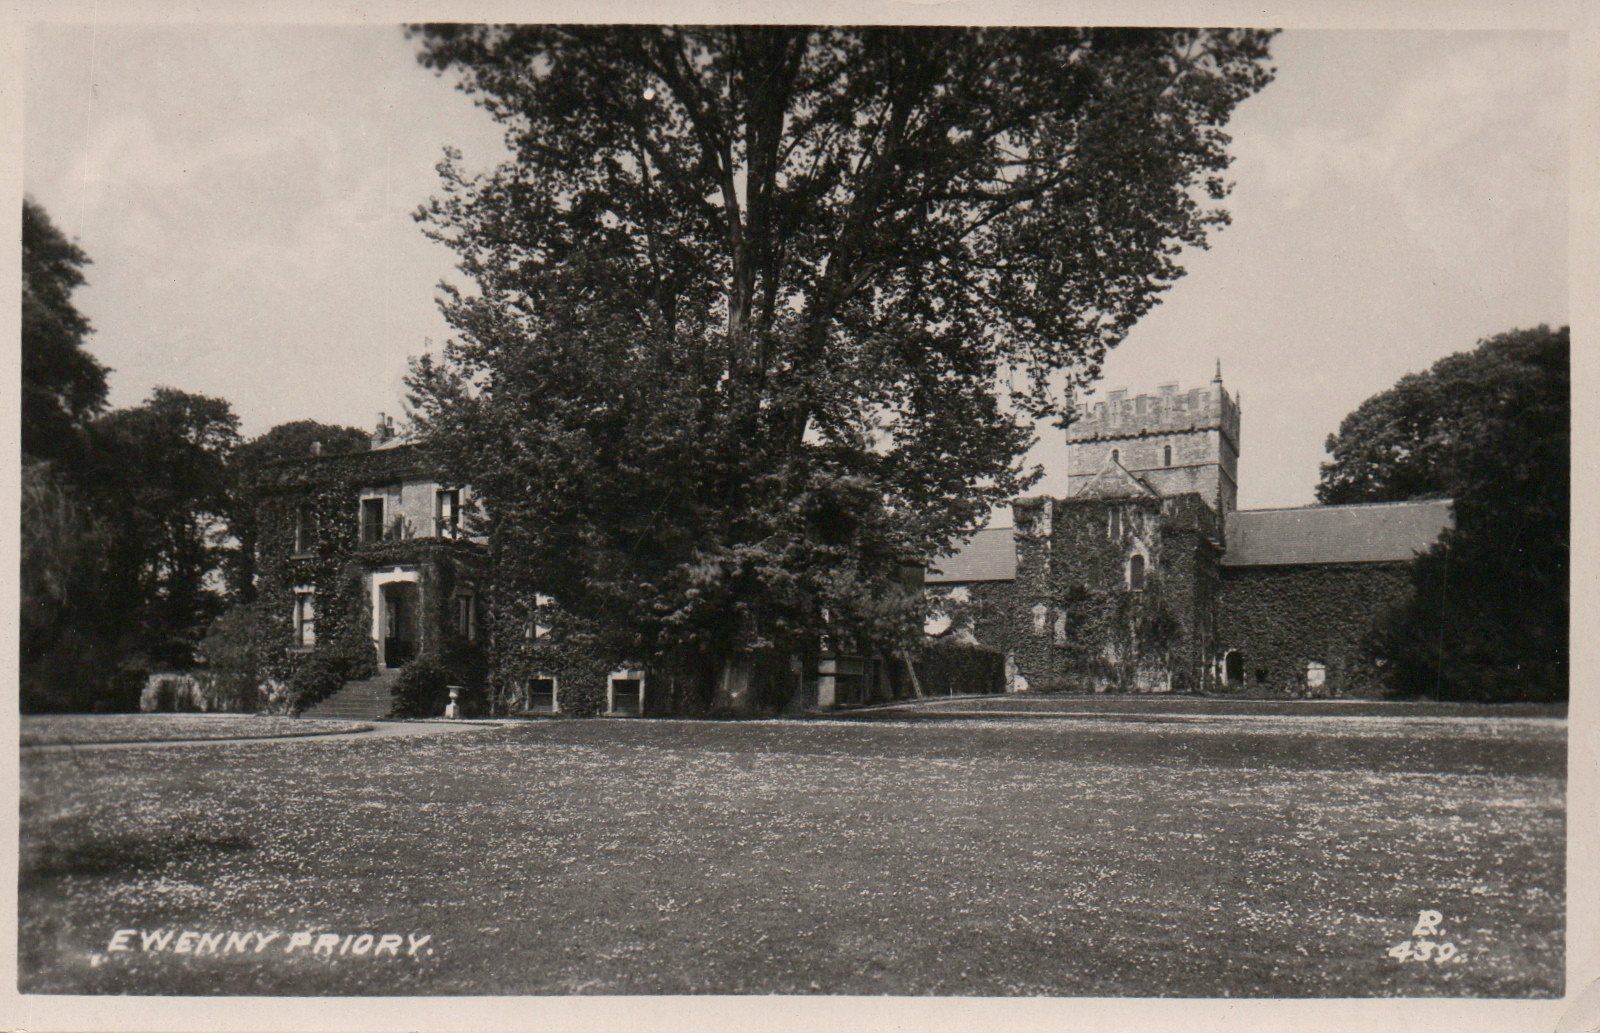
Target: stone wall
{"type": "Point", "coordinates": [1070, 620]}
{"type": "Point", "coordinates": [1281, 619]}
{"type": "Point", "coordinates": [1200, 426]}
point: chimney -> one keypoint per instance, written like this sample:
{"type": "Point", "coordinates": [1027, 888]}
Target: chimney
{"type": "Point", "coordinates": [384, 431]}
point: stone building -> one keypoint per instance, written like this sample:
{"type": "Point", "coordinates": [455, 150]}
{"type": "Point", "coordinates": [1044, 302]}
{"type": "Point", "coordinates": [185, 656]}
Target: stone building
{"type": "Point", "coordinates": [1145, 577]}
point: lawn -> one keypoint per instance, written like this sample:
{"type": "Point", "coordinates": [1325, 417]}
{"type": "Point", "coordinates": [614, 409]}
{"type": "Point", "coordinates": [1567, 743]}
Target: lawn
{"type": "Point", "coordinates": [87, 729]}
{"type": "Point", "coordinates": [1250, 856]}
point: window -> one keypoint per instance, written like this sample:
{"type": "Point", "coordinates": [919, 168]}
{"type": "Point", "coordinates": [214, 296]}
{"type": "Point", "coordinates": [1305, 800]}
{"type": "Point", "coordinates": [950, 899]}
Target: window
{"type": "Point", "coordinates": [305, 617]}
{"type": "Point", "coordinates": [1136, 572]}
{"type": "Point", "coordinates": [541, 696]}
{"type": "Point", "coordinates": [1114, 524]}
{"type": "Point", "coordinates": [625, 694]}
{"type": "Point", "coordinates": [1166, 456]}
{"type": "Point", "coordinates": [447, 512]}
{"type": "Point", "coordinates": [466, 615]}
{"type": "Point", "coordinates": [1116, 455]}
{"type": "Point", "coordinates": [1316, 675]}
{"type": "Point", "coordinates": [305, 529]}
{"type": "Point", "coordinates": [372, 519]}
{"type": "Point", "coordinates": [1060, 636]}
{"type": "Point", "coordinates": [1041, 617]}
{"type": "Point", "coordinates": [535, 629]}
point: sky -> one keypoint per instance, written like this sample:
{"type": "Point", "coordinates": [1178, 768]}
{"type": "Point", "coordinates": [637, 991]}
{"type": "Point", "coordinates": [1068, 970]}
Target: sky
{"type": "Point", "coordinates": [246, 195]}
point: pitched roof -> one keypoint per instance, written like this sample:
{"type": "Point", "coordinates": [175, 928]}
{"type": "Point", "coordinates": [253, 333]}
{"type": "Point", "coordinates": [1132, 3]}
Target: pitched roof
{"type": "Point", "coordinates": [1374, 533]}
{"type": "Point", "coordinates": [1113, 481]}
{"type": "Point", "coordinates": [989, 555]}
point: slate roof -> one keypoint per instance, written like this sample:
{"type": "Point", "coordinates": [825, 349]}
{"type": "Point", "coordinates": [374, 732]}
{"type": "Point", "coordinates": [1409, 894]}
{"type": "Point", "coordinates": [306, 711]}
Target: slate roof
{"type": "Point", "coordinates": [1383, 532]}
{"type": "Point", "coordinates": [990, 555]}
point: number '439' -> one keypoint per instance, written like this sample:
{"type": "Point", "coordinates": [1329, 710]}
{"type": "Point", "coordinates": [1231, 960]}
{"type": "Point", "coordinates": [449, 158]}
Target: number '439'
{"type": "Point", "coordinates": [1423, 950]}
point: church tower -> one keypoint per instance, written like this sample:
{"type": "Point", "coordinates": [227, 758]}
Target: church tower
{"type": "Point", "coordinates": [1174, 441]}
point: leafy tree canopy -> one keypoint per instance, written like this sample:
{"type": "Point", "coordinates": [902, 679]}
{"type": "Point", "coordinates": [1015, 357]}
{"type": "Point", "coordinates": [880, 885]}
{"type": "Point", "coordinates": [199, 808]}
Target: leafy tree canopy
{"type": "Point", "coordinates": [162, 482]}
{"type": "Point", "coordinates": [761, 312]}
{"type": "Point", "coordinates": [62, 384]}
{"type": "Point", "coordinates": [1425, 437]}
{"type": "Point", "coordinates": [1490, 428]}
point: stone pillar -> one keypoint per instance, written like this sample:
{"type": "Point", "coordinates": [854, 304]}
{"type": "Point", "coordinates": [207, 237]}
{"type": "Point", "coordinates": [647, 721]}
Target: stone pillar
{"type": "Point", "coordinates": [827, 682]}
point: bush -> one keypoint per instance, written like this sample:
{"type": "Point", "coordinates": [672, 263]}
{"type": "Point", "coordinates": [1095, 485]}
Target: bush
{"type": "Point", "coordinates": [177, 692]}
{"type": "Point", "coordinates": [423, 688]}
{"type": "Point", "coordinates": [325, 670]}
{"type": "Point", "coordinates": [951, 668]}
{"type": "Point", "coordinates": [232, 664]}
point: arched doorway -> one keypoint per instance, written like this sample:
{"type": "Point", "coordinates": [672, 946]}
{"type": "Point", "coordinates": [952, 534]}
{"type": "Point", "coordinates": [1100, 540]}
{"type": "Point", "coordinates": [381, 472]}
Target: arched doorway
{"type": "Point", "coordinates": [1233, 668]}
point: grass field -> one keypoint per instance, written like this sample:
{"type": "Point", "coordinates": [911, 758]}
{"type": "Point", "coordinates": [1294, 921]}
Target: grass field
{"type": "Point", "coordinates": [94, 729]}
{"type": "Point", "coordinates": [1257, 855]}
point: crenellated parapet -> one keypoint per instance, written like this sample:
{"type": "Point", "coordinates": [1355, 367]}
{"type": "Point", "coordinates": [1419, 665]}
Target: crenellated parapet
{"type": "Point", "coordinates": [1168, 411]}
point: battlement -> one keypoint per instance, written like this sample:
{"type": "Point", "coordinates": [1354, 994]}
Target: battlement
{"type": "Point", "coordinates": [1167, 412]}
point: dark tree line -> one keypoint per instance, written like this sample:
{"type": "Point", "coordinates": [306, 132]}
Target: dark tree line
{"type": "Point", "coordinates": [137, 526]}
{"type": "Point", "coordinates": [1491, 429]}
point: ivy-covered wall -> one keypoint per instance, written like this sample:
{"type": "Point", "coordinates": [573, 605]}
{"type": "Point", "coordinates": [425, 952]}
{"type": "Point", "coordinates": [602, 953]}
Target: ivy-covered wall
{"type": "Point", "coordinates": [1280, 619]}
{"type": "Point", "coordinates": [562, 649]}
{"type": "Point", "coordinates": [1071, 621]}
{"type": "Point", "coordinates": [320, 499]}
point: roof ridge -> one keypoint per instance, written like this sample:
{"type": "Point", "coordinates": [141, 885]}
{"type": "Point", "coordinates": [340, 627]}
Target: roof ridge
{"type": "Point", "coordinates": [1342, 505]}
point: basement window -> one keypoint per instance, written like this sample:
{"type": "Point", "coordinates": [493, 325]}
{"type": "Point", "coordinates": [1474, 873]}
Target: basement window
{"type": "Point", "coordinates": [625, 693]}
{"type": "Point", "coordinates": [542, 696]}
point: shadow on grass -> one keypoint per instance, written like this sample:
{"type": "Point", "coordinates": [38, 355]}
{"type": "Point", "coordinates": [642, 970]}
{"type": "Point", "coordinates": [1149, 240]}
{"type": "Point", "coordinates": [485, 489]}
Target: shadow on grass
{"type": "Point", "coordinates": [122, 855]}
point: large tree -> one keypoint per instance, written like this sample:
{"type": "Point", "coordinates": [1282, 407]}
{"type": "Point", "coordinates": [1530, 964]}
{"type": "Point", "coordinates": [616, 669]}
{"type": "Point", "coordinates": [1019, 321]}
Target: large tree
{"type": "Point", "coordinates": [63, 386]}
{"type": "Point", "coordinates": [762, 312]}
{"type": "Point", "coordinates": [162, 483]}
{"type": "Point", "coordinates": [1490, 428]}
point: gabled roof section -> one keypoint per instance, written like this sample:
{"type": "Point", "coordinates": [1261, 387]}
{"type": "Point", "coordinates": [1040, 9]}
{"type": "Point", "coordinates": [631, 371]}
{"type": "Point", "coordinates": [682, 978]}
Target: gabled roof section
{"type": "Point", "coordinates": [1115, 482]}
{"type": "Point", "coordinates": [989, 555]}
{"type": "Point", "coordinates": [1382, 532]}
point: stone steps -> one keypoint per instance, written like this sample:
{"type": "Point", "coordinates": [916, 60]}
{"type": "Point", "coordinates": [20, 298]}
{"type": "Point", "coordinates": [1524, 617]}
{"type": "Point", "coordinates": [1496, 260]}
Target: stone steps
{"type": "Point", "coordinates": [368, 700]}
